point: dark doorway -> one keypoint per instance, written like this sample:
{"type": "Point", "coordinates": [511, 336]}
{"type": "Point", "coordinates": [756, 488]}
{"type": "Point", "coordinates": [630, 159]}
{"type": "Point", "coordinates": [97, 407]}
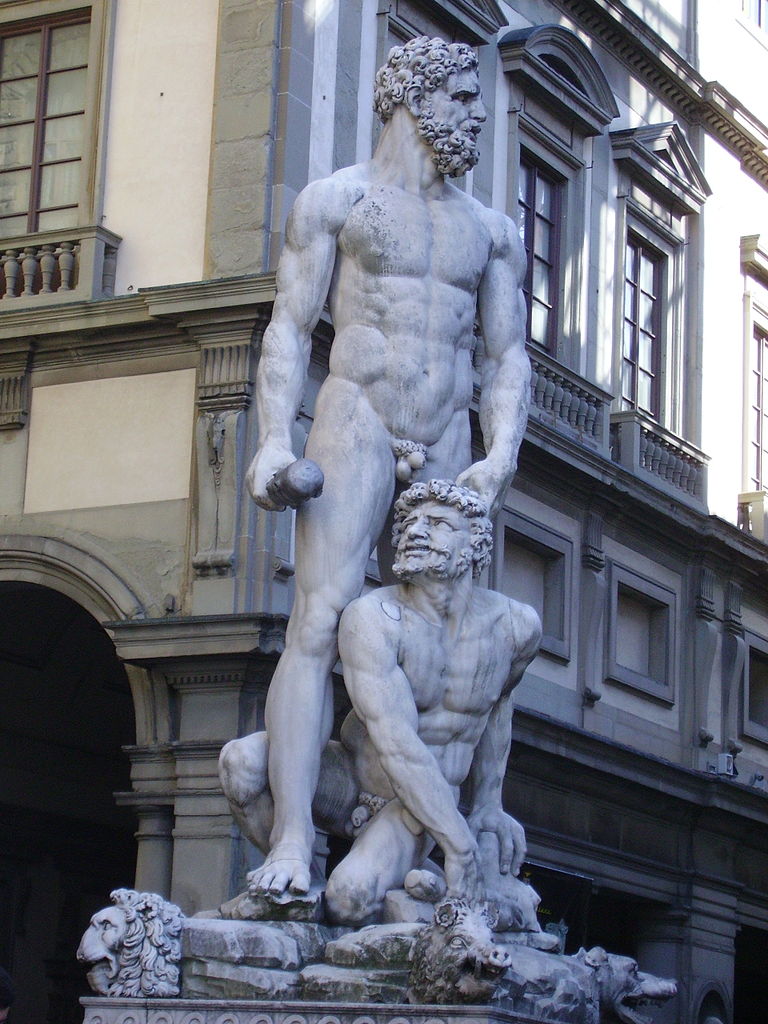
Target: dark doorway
{"type": "Point", "coordinates": [751, 956]}
{"type": "Point", "coordinates": [66, 711]}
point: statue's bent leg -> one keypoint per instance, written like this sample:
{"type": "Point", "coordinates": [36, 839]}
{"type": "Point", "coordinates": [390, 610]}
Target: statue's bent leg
{"type": "Point", "coordinates": [334, 536]}
{"type": "Point", "coordinates": [379, 860]}
{"type": "Point", "coordinates": [243, 775]}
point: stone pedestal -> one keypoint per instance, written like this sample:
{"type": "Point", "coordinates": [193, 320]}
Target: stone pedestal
{"type": "Point", "coordinates": [214, 1011]}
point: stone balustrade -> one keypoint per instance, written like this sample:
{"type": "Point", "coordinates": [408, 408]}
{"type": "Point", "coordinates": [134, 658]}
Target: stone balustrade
{"type": "Point", "coordinates": [658, 456]}
{"type": "Point", "coordinates": [80, 265]}
{"type": "Point", "coordinates": [566, 401]}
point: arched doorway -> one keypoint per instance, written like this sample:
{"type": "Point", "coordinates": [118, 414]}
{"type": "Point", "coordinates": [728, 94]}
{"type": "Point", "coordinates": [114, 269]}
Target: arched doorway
{"type": "Point", "coordinates": [64, 844]}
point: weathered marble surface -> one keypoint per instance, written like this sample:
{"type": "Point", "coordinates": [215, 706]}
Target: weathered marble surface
{"type": "Point", "coordinates": [201, 1011]}
{"type": "Point", "coordinates": [378, 242]}
{"type": "Point", "coordinates": [455, 960]}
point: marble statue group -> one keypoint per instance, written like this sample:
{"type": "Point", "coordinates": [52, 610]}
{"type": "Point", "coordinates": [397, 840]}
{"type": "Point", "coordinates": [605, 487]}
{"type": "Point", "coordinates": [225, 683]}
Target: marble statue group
{"type": "Point", "coordinates": [424, 285]}
{"type": "Point", "coordinates": [408, 264]}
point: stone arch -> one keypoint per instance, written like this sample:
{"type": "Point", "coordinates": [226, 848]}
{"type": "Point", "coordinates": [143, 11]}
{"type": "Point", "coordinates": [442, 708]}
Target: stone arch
{"type": "Point", "coordinates": [713, 1006]}
{"type": "Point", "coordinates": [68, 715]}
{"type": "Point", "coordinates": [84, 577]}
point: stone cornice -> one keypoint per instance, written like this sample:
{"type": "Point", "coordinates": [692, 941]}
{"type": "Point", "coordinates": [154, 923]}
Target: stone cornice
{"type": "Point", "coordinates": [603, 764]}
{"type": "Point", "coordinates": [754, 257]}
{"type": "Point", "coordinates": [647, 55]}
{"type": "Point", "coordinates": [178, 304]}
{"type": "Point", "coordinates": [154, 640]}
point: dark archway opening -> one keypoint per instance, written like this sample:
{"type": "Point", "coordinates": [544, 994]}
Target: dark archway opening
{"type": "Point", "coordinates": [64, 844]}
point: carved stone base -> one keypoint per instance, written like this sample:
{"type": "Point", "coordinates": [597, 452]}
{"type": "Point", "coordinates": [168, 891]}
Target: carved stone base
{"type": "Point", "coordinates": [213, 1011]}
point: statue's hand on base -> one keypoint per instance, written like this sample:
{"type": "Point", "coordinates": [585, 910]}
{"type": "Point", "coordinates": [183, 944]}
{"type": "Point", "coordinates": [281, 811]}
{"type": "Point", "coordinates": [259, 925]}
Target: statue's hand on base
{"type": "Point", "coordinates": [509, 832]}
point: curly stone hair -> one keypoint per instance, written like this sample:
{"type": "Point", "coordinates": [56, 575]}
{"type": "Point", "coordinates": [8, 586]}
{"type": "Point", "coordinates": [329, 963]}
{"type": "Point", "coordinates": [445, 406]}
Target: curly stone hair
{"type": "Point", "coordinates": [468, 502]}
{"type": "Point", "coordinates": [419, 66]}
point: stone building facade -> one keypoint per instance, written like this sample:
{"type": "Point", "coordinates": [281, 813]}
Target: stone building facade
{"type": "Point", "coordinates": [149, 155]}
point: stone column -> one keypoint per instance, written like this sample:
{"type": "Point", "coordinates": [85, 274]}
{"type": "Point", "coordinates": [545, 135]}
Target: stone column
{"type": "Point", "coordinates": [217, 699]}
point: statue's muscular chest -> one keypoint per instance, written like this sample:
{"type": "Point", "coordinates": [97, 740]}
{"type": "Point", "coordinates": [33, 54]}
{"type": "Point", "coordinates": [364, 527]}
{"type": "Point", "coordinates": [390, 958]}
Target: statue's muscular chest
{"type": "Point", "coordinates": [463, 675]}
{"type": "Point", "coordinates": [390, 232]}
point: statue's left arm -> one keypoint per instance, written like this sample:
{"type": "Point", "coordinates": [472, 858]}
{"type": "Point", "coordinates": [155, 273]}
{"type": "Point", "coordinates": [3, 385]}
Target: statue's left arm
{"type": "Point", "coordinates": [492, 752]}
{"type": "Point", "coordinates": [506, 369]}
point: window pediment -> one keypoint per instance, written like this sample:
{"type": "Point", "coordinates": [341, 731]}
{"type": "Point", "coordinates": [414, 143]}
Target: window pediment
{"type": "Point", "coordinates": [660, 157]}
{"type": "Point", "coordinates": [553, 63]}
{"type": "Point", "coordinates": [471, 21]}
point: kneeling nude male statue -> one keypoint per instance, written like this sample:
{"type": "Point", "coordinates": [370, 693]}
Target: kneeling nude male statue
{"type": "Point", "coordinates": [430, 664]}
{"type": "Point", "coordinates": [406, 261]}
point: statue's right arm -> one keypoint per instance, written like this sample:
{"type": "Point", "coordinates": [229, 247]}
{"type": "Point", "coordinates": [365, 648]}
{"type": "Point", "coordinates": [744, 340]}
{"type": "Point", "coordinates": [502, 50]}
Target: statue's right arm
{"type": "Point", "coordinates": [303, 279]}
{"type": "Point", "coordinates": [383, 700]}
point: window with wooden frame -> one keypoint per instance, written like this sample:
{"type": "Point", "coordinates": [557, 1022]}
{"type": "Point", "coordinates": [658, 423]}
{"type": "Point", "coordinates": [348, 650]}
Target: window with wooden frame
{"type": "Point", "coordinates": [641, 337]}
{"type": "Point", "coordinates": [43, 82]}
{"type": "Point", "coordinates": [758, 410]}
{"type": "Point", "coordinates": [539, 204]}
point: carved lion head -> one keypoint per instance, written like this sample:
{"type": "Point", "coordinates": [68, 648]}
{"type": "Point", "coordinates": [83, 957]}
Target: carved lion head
{"type": "Point", "coordinates": [134, 946]}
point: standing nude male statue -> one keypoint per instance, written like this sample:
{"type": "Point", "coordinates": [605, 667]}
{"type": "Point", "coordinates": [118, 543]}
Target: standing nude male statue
{"type": "Point", "coordinates": [406, 261]}
{"type": "Point", "coordinates": [430, 665]}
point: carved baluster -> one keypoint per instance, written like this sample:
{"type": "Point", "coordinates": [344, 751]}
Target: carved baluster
{"type": "Point", "coordinates": [646, 449]}
{"type": "Point", "coordinates": [549, 389]}
{"type": "Point", "coordinates": [685, 475]}
{"type": "Point", "coordinates": [541, 384]}
{"type": "Point", "coordinates": [591, 415]}
{"type": "Point", "coordinates": [677, 470]}
{"type": "Point", "coordinates": [534, 382]}
{"type": "Point", "coordinates": [581, 416]}
{"type": "Point", "coordinates": [47, 268]}
{"type": "Point", "coordinates": [66, 265]}
{"type": "Point", "coordinates": [693, 477]}
{"type": "Point", "coordinates": [598, 425]}
{"type": "Point", "coordinates": [11, 267]}
{"type": "Point", "coordinates": [29, 269]}
{"type": "Point", "coordinates": [573, 412]}
{"type": "Point", "coordinates": [557, 395]}
{"type": "Point", "coordinates": [566, 409]}
{"type": "Point", "coordinates": [109, 270]}
{"type": "Point", "coordinates": [664, 458]}
{"type": "Point", "coordinates": [655, 454]}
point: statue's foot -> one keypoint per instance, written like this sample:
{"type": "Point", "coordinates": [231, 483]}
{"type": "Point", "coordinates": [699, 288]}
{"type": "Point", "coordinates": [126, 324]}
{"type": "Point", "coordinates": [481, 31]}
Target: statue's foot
{"type": "Point", "coordinates": [285, 869]}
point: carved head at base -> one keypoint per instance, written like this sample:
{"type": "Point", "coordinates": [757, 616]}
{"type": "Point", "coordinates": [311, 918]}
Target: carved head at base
{"type": "Point", "coordinates": [624, 988]}
{"type": "Point", "coordinates": [422, 545]}
{"type": "Point", "coordinates": [454, 959]}
{"type": "Point", "coordinates": [134, 946]}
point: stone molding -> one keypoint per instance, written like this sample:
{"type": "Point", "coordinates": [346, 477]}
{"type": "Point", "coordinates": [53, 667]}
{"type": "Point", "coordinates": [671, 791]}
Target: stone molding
{"type": "Point", "coordinates": [552, 62]}
{"type": "Point", "coordinates": [592, 552]}
{"type": "Point", "coordinates": [647, 55]}
{"type": "Point", "coordinates": [205, 1011]}
{"type": "Point", "coordinates": [660, 157]}
{"type": "Point", "coordinates": [478, 21]}
{"type": "Point", "coordinates": [180, 637]}
{"type": "Point", "coordinates": [78, 574]}
{"type": "Point", "coordinates": [754, 257]}
{"type": "Point", "coordinates": [14, 387]}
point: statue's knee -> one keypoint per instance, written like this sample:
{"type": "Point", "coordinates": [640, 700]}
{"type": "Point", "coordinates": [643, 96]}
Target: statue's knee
{"type": "Point", "coordinates": [243, 768]}
{"type": "Point", "coordinates": [349, 901]}
{"type": "Point", "coordinates": [315, 628]}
